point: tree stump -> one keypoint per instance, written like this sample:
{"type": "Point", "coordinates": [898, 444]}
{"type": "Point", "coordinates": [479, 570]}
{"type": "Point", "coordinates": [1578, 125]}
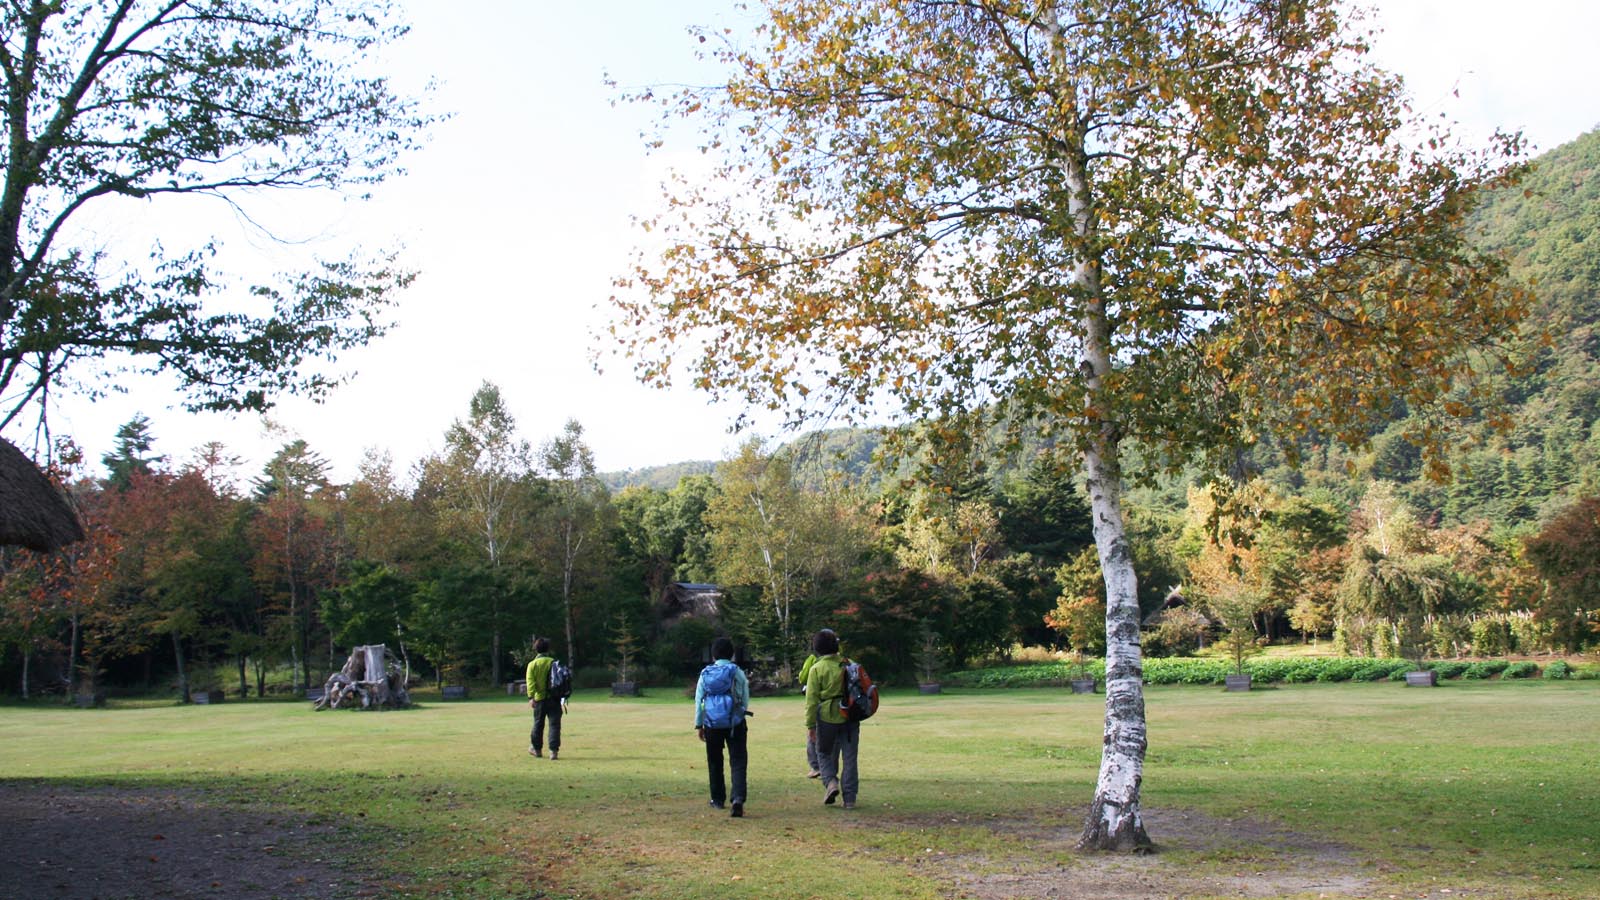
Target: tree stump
{"type": "Point", "coordinates": [371, 679]}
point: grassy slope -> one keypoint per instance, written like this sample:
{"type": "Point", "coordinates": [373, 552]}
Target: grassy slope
{"type": "Point", "coordinates": [1489, 786]}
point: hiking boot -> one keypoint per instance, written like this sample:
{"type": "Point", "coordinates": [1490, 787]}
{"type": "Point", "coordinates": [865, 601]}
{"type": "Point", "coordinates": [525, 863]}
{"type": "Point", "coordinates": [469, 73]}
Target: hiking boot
{"type": "Point", "coordinates": [553, 753]}
{"type": "Point", "coordinates": [849, 804]}
{"type": "Point", "coordinates": [832, 793]}
{"type": "Point", "coordinates": [534, 751]}
{"type": "Point", "coordinates": [738, 811]}
{"type": "Point", "coordinates": [813, 774]}
{"type": "Point", "coordinates": [716, 804]}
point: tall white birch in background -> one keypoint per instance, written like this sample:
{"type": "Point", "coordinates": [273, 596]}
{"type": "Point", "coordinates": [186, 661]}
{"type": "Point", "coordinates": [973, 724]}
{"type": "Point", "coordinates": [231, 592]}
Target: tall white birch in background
{"type": "Point", "coordinates": [484, 463]}
{"type": "Point", "coordinates": [579, 502]}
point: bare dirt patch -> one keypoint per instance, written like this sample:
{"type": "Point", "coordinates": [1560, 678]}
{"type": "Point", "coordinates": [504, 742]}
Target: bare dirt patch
{"type": "Point", "coordinates": [1197, 856]}
{"type": "Point", "coordinates": [102, 843]}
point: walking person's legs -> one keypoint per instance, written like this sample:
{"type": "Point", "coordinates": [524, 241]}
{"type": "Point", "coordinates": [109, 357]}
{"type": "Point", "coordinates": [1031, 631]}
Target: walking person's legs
{"type": "Point", "coordinates": [715, 738]}
{"type": "Point", "coordinates": [849, 778]}
{"type": "Point", "coordinates": [553, 713]}
{"type": "Point", "coordinates": [738, 760]}
{"type": "Point", "coordinates": [536, 739]}
{"type": "Point", "coordinates": [828, 746]}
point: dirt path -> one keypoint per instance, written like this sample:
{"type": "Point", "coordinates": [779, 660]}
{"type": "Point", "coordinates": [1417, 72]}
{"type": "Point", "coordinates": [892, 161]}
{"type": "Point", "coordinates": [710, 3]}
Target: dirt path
{"type": "Point", "coordinates": [65, 843]}
{"type": "Point", "coordinates": [1198, 855]}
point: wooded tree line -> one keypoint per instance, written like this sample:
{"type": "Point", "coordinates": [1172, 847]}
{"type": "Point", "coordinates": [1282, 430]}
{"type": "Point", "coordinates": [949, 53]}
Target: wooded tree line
{"type": "Point", "coordinates": [460, 560]}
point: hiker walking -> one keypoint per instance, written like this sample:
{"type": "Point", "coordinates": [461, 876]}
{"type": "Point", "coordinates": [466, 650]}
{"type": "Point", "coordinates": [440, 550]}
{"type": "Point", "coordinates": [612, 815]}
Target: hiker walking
{"type": "Point", "coordinates": [548, 701]}
{"type": "Point", "coordinates": [837, 737]}
{"type": "Point", "coordinates": [813, 765]}
{"type": "Point", "coordinates": [721, 702]}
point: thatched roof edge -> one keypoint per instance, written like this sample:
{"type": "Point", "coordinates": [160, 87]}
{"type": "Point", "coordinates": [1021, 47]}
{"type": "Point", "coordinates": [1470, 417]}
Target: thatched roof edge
{"type": "Point", "coordinates": [33, 511]}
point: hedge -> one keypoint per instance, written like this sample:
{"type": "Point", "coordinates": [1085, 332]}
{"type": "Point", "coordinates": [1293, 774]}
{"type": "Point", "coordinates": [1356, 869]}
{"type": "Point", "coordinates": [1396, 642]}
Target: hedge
{"type": "Point", "coordinates": [1289, 670]}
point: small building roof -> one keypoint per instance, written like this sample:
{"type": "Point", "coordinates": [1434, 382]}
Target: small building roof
{"type": "Point", "coordinates": [33, 511]}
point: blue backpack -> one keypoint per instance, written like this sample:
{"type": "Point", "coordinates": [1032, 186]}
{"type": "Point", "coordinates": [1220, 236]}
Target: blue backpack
{"type": "Point", "coordinates": [716, 696]}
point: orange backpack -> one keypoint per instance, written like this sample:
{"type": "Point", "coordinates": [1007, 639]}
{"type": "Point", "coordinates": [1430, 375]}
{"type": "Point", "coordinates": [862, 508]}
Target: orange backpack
{"type": "Point", "coordinates": [860, 698]}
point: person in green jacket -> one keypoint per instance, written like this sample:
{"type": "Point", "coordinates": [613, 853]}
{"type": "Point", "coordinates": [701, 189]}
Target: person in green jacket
{"type": "Point", "coordinates": [545, 707]}
{"type": "Point", "coordinates": [813, 765]}
{"type": "Point", "coordinates": [838, 739]}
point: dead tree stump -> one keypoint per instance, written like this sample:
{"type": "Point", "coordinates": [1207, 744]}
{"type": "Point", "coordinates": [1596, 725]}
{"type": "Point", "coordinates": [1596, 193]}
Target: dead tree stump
{"type": "Point", "coordinates": [371, 679]}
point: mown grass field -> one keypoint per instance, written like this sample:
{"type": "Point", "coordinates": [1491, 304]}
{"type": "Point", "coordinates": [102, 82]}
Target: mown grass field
{"type": "Point", "coordinates": [1487, 789]}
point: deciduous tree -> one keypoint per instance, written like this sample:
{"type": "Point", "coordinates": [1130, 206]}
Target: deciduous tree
{"type": "Point", "coordinates": [133, 100]}
{"type": "Point", "coordinates": [1181, 223]}
{"type": "Point", "coordinates": [294, 544]}
{"type": "Point", "coordinates": [484, 470]}
{"type": "Point", "coordinates": [1566, 553]}
{"type": "Point", "coordinates": [575, 518]}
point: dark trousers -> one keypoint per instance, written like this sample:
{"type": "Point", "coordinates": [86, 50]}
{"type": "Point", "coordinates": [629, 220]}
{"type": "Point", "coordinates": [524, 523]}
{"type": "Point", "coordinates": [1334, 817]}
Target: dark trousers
{"type": "Point", "coordinates": [546, 709]}
{"type": "Point", "coordinates": [737, 758]}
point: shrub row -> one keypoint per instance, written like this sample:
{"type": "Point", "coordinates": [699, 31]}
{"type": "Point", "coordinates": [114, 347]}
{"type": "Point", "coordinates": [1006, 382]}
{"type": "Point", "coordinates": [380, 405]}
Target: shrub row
{"type": "Point", "coordinates": [1178, 670]}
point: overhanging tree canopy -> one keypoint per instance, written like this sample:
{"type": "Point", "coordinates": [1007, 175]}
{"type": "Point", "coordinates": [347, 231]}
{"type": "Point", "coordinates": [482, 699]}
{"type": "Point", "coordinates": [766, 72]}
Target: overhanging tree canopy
{"type": "Point", "coordinates": [108, 99]}
{"type": "Point", "coordinates": [1185, 223]}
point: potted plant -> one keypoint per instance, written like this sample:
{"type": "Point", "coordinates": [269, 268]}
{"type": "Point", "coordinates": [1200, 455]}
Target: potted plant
{"type": "Point", "coordinates": [1080, 617]}
{"type": "Point", "coordinates": [927, 659]}
{"type": "Point", "coordinates": [1412, 633]}
{"type": "Point", "coordinates": [1081, 680]}
{"type": "Point", "coordinates": [627, 648]}
{"type": "Point", "coordinates": [1236, 610]}
{"type": "Point", "coordinates": [1226, 577]}
{"type": "Point", "coordinates": [88, 693]}
{"type": "Point", "coordinates": [1404, 591]}
{"type": "Point", "coordinates": [453, 687]}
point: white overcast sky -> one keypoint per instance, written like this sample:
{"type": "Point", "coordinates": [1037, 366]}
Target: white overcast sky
{"type": "Point", "coordinates": [516, 216]}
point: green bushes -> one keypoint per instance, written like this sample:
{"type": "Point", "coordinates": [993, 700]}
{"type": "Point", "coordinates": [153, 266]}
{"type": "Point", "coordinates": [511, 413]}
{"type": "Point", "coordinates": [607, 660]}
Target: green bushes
{"type": "Point", "coordinates": [1031, 675]}
{"type": "Point", "coordinates": [1284, 670]}
{"type": "Point", "coordinates": [1485, 669]}
{"type": "Point", "coordinates": [1523, 669]}
{"type": "Point", "coordinates": [1177, 670]}
{"type": "Point", "coordinates": [1558, 669]}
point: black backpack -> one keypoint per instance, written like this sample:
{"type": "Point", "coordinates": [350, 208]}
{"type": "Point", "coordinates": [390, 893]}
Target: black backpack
{"type": "Point", "coordinates": [560, 681]}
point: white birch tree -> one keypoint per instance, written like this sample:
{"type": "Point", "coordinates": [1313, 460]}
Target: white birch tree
{"type": "Point", "coordinates": [1181, 224]}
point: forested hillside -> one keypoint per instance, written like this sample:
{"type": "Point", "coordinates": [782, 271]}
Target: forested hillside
{"type": "Point", "coordinates": [1547, 451]}
{"type": "Point", "coordinates": [1510, 473]}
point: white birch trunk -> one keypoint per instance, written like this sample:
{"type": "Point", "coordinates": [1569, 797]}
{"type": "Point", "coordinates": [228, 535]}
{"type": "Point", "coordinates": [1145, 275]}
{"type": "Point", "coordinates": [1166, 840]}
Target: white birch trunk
{"type": "Point", "coordinates": [72, 658]}
{"type": "Point", "coordinates": [183, 674]}
{"type": "Point", "coordinates": [1114, 821]}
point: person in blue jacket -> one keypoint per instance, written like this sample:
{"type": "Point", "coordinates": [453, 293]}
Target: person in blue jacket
{"type": "Point", "coordinates": [721, 703]}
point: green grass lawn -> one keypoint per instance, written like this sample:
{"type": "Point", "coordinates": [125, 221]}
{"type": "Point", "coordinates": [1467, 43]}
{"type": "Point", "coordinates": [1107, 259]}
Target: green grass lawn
{"type": "Point", "coordinates": [1488, 789]}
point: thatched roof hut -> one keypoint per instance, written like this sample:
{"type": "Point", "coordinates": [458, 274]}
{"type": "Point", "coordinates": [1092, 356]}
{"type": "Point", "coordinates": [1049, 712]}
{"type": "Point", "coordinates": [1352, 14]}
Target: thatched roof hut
{"type": "Point", "coordinates": [33, 512]}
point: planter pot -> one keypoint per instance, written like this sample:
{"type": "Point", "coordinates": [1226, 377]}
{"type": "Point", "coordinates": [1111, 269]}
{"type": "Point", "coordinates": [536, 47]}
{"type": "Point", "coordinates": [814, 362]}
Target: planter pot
{"type": "Point", "coordinates": [1082, 685]}
{"type": "Point", "coordinates": [206, 697]}
{"type": "Point", "coordinates": [930, 687]}
{"type": "Point", "coordinates": [1428, 678]}
{"type": "Point", "coordinates": [624, 688]}
{"type": "Point", "coordinates": [453, 692]}
{"type": "Point", "coordinates": [1237, 682]}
